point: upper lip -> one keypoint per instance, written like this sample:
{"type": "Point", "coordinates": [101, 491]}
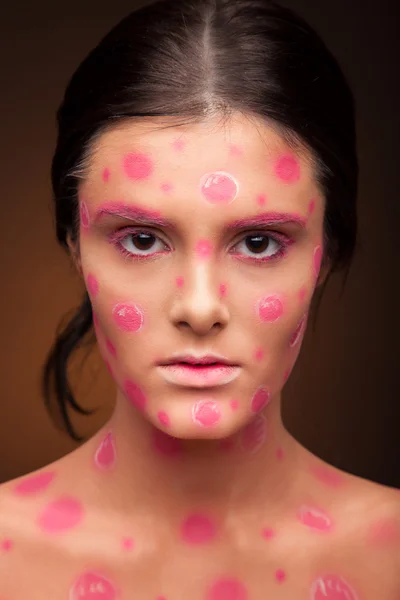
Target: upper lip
{"type": "Point", "coordinates": [204, 359]}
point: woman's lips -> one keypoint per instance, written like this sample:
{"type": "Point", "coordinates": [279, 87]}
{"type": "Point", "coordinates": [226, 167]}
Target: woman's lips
{"type": "Point", "coordinates": [197, 375]}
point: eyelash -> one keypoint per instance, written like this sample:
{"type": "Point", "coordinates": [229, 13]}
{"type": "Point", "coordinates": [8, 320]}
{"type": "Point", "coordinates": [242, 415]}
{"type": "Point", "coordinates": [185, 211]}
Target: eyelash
{"type": "Point", "coordinates": [121, 234]}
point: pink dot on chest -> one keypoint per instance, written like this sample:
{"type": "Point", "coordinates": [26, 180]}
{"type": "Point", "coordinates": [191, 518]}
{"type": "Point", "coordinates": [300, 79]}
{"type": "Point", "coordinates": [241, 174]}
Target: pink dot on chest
{"type": "Point", "coordinates": [61, 515]}
{"type": "Point", "coordinates": [198, 529]}
{"type": "Point", "coordinates": [34, 484]}
{"type": "Point", "coordinates": [91, 586]}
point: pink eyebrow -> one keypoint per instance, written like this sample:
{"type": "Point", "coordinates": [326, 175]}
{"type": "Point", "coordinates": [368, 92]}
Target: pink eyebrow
{"type": "Point", "coordinates": [130, 211]}
{"type": "Point", "coordinates": [269, 218]}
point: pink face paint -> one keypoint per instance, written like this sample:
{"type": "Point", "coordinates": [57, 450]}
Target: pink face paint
{"type": "Point", "coordinates": [227, 444]}
{"type": "Point", "coordinates": [206, 413]}
{"type": "Point", "coordinates": [163, 418]}
{"type": "Point", "coordinates": [332, 587]}
{"type": "Point", "coordinates": [92, 285]}
{"type": "Point", "coordinates": [60, 515]}
{"type": "Point", "coordinates": [311, 207]}
{"type": "Point", "coordinates": [203, 249]}
{"type": "Point", "coordinates": [297, 333]}
{"type": "Point", "coordinates": [227, 588]}
{"type": "Point", "coordinates": [235, 150]}
{"type": "Point", "coordinates": [280, 455]}
{"type": "Point", "coordinates": [137, 166]}
{"type": "Point", "coordinates": [178, 144]}
{"type": "Point", "coordinates": [384, 532]}
{"type": "Point", "coordinates": [179, 282]}
{"type": "Point", "coordinates": [267, 533]}
{"type": "Point", "coordinates": [106, 454]}
{"type": "Point", "coordinates": [128, 317]}
{"type": "Point", "coordinates": [287, 168]}
{"type": "Point", "coordinates": [270, 308]}
{"type": "Point", "coordinates": [166, 187]}
{"type": "Point", "coordinates": [327, 476]}
{"type": "Point", "coordinates": [111, 348]}
{"type": "Point", "coordinates": [315, 519]}
{"type": "Point", "coordinates": [106, 175]}
{"type": "Point", "coordinates": [34, 484]}
{"type": "Point", "coordinates": [234, 404]}
{"type": "Point", "coordinates": [260, 400]}
{"type": "Point", "coordinates": [198, 529]}
{"type": "Point", "coordinates": [280, 575]}
{"type": "Point", "coordinates": [302, 294]}
{"type": "Point", "coordinates": [253, 436]}
{"type": "Point", "coordinates": [259, 354]}
{"type": "Point", "coordinates": [166, 444]}
{"type": "Point", "coordinates": [92, 586]}
{"type": "Point", "coordinates": [95, 319]}
{"type": "Point", "coordinates": [317, 257]}
{"type": "Point", "coordinates": [222, 289]}
{"type": "Point", "coordinates": [84, 215]}
{"type": "Point", "coordinates": [127, 543]}
{"type": "Point", "coordinates": [219, 187]}
{"type": "Point", "coordinates": [135, 395]}
{"type": "Point", "coordinates": [261, 200]}
{"type": "Point", "coordinates": [7, 545]}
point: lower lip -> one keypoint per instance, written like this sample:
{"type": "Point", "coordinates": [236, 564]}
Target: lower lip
{"type": "Point", "coordinates": [199, 376]}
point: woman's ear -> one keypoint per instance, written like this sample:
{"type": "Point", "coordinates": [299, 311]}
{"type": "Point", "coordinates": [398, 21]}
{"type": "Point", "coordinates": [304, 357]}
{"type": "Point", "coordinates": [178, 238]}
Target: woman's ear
{"type": "Point", "coordinates": [75, 255]}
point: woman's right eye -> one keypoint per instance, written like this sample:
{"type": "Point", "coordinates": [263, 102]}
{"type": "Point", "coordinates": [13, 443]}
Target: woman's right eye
{"type": "Point", "coordinates": [137, 244]}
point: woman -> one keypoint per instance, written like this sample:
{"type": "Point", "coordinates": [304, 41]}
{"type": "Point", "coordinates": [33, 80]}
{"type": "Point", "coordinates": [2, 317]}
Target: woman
{"type": "Point", "coordinates": [205, 182]}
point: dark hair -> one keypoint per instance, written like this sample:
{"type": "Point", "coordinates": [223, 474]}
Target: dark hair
{"type": "Point", "coordinates": [187, 60]}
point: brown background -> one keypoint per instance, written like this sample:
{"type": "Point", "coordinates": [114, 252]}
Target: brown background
{"type": "Point", "coordinates": [342, 399]}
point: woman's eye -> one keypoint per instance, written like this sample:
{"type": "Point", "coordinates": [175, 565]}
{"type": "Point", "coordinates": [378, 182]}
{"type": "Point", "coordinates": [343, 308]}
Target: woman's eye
{"type": "Point", "coordinates": [259, 245]}
{"type": "Point", "coordinates": [141, 243]}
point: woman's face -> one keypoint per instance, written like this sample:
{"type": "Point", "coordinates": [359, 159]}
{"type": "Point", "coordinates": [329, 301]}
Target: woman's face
{"type": "Point", "coordinates": [202, 241]}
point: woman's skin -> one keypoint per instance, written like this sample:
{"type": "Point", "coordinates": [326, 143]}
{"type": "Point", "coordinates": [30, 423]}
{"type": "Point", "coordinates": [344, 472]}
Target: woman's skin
{"type": "Point", "coordinates": [198, 240]}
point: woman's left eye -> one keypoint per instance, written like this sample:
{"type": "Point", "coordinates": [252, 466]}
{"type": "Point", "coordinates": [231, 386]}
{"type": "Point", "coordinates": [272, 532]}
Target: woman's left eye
{"type": "Point", "coordinates": [262, 246]}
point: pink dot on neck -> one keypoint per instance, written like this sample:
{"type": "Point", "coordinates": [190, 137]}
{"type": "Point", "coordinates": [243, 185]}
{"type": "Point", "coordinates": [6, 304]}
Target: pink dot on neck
{"type": "Point", "coordinates": [34, 483]}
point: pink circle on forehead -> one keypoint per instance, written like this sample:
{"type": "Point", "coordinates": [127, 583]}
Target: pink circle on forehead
{"type": "Point", "coordinates": [261, 200]}
{"type": "Point", "coordinates": [219, 187]}
{"type": "Point", "coordinates": [198, 529]}
{"type": "Point", "coordinates": [228, 589]}
{"type": "Point", "coordinates": [84, 214]}
{"type": "Point", "coordinates": [254, 434]}
{"type": "Point", "coordinates": [92, 285]}
{"type": "Point", "coordinates": [163, 418]}
{"type": "Point", "coordinates": [91, 586]}
{"type": "Point", "coordinates": [178, 145]}
{"type": "Point", "coordinates": [314, 518]}
{"type": "Point", "coordinates": [317, 260]}
{"type": "Point", "coordinates": [137, 166]}
{"type": "Point", "coordinates": [128, 317]}
{"type": "Point", "coordinates": [34, 484]}
{"type": "Point", "coordinates": [332, 587]}
{"type": "Point", "coordinates": [105, 456]}
{"type": "Point", "coordinates": [135, 394]}
{"type": "Point", "coordinates": [203, 249]}
{"type": "Point", "coordinates": [60, 515]}
{"type": "Point", "coordinates": [106, 175]}
{"type": "Point", "coordinates": [287, 168]}
{"type": "Point", "coordinates": [206, 413]}
{"type": "Point", "coordinates": [270, 308]}
{"type": "Point", "coordinates": [260, 400]}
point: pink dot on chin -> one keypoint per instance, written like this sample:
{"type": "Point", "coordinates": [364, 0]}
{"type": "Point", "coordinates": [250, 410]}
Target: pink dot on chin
{"type": "Point", "coordinates": [198, 529]}
{"type": "Point", "coordinates": [219, 187]}
{"type": "Point", "coordinates": [92, 586]}
{"type": "Point", "coordinates": [163, 418]}
{"type": "Point", "coordinates": [128, 317]}
{"type": "Point", "coordinates": [287, 168]}
{"type": "Point", "coordinates": [227, 589]}
{"type": "Point", "coordinates": [135, 395]}
{"type": "Point", "coordinates": [61, 515]}
{"type": "Point", "coordinates": [34, 483]}
{"type": "Point", "coordinates": [270, 308]}
{"type": "Point", "coordinates": [260, 399]}
{"type": "Point", "coordinates": [206, 413]}
{"type": "Point", "coordinates": [137, 166]}
{"type": "Point", "coordinates": [105, 456]}
{"type": "Point", "coordinates": [280, 454]}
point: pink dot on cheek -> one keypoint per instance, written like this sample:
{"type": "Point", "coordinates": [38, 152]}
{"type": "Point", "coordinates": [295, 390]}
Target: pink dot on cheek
{"type": "Point", "coordinates": [137, 166]}
{"type": "Point", "coordinates": [227, 589]}
{"type": "Point", "coordinates": [163, 418]}
{"type": "Point", "coordinates": [270, 308]}
{"type": "Point", "coordinates": [287, 168]}
{"type": "Point", "coordinates": [180, 281]}
{"type": "Point", "coordinates": [111, 348]}
{"type": "Point", "coordinates": [92, 285]}
{"type": "Point", "coordinates": [198, 529]}
{"type": "Point", "coordinates": [128, 317]}
{"type": "Point", "coordinates": [259, 354]}
{"type": "Point", "coordinates": [135, 395]}
{"type": "Point", "coordinates": [61, 515]}
{"type": "Point", "coordinates": [203, 249]}
{"type": "Point", "coordinates": [219, 188]}
{"type": "Point", "coordinates": [91, 586]}
{"type": "Point", "coordinates": [34, 484]}
{"type": "Point", "coordinates": [206, 413]}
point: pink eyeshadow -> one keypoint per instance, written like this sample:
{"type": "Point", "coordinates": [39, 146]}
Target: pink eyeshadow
{"type": "Point", "coordinates": [315, 519]}
{"type": "Point", "coordinates": [105, 456]}
{"type": "Point", "coordinates": [61, 515]}
{"type": "Point", "coordinates": [198, 529]}
{"type": "Point", "coordinates": [219, 188]}
{"type": "Point", "coordinates": [163, 418]}
{"type": "Point", "coordinates": [92, 586]}
{"type": "Point", "coordinates": [128, 317]}
{"type": "Point", "coordinates": [92, 285]}
{"type": "Point", "coordinates": [227, 589]}
{"type": "Point", "coordinates": [111, 348]}
{"type": "Point", "coordinates": [203, 249]}
{"type": "Point", "coordinates": [180, 281]}
{"type": "Point", "coordinates": [222, 289]}
{"type": "Point", "coordinates": [317, 260]}
{"type": "Point", "coordinates": [287, 168]}
{"type": "Point", "coordinates": [137, 166]}
{"type": "Point", "coordinates": [332, 587]}
{"type": "Point", "coordinates": [34, 484]}
{"type": "Point", "coordinates": [106, 175]}
{"type": "Point", "coordinates": [270, 308]}
{"type": "Point", "coordinates": [135, 395]}
{"type": "Point", "coordinates": [206, 413]}
{"type": "Point", "coordinates": [261, 200]}
{"type": "Point", "coordinates": [254, 434]}
{"type": "Point", "coordinates": [84, 215]}
{"type": "Point", "coordinates": [166, 444]}
{"type": "Point", "coordinates": [260, 400]}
